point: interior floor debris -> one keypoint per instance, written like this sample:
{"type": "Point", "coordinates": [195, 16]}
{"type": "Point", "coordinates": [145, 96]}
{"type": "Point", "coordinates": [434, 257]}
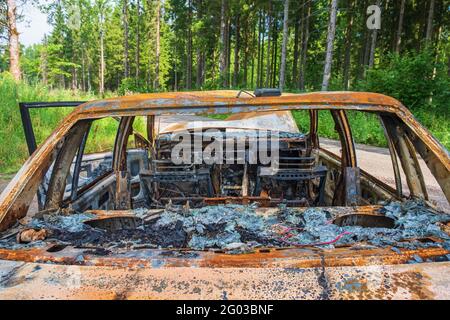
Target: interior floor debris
{"type": "Point", "coordinates": [240, 229]}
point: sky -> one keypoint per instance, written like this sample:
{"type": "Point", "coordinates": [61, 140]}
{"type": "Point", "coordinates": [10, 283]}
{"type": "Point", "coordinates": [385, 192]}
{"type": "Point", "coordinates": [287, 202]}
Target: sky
{"type": "Point", "coordinates": [34, 25]}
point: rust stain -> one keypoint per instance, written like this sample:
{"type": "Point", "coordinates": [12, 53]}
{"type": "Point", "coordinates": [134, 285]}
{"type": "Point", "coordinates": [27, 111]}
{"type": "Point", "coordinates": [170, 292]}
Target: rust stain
{"type": "Point", "coordinates": [416, 282]}
{"type": "Point", "coordinates": [263, 258]}
{"type": "Point", "coordinates": [40, 281]}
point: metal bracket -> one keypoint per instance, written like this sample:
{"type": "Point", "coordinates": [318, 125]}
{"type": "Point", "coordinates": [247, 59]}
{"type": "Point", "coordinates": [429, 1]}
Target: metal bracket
{"type": "Point", "coordinates": [26, 118]}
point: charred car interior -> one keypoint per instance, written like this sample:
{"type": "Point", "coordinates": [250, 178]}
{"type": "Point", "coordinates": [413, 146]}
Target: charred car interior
{"type": "Point", "coordinates": [135, 203]}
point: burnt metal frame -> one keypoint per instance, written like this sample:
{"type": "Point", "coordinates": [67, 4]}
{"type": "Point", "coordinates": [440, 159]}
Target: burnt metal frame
{"type": "Point", "coordinates": [30, 137]}
{"type": "Point", "coordinates": [26, 118]}
{"type": "Point", "coordinates": [15, 200]}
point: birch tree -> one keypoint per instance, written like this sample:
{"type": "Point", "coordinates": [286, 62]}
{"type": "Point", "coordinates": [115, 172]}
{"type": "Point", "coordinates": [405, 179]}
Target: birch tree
{"type": "Point", "coordinates": [13, 35]}
{"type": "Point", "coordinates": [330, 43]}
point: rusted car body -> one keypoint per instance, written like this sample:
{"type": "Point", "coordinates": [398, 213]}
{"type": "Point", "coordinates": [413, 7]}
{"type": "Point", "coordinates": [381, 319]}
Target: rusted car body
{"type": "Point", "coordinates": [288, 272]}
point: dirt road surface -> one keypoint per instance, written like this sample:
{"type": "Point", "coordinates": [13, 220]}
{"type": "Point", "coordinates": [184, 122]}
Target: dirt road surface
{"type": "Point", "coordinates": [376, 161]}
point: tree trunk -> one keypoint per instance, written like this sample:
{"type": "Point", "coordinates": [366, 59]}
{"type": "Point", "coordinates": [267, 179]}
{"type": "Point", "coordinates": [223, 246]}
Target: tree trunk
{"type": "Point", "coordinates": [236, 52]}
{"type": "Point", "coordinates": [297, 28]}
{"type": "Point", "coordinates": [398, 39]}
{"type": "Point", "coordinates": [125, 39]}
{"type": "Point", "coordinates": [213, 64]}
{"type": "Point", "coordinates": [175, 74]}
{"type": "Point", "coordinates": [14, 46]}
{"type": "Point", "coordinates": [273, 74]}
{"type": "Point", "coordinates": [44, 62]}
{"type": "Point", "coordinates": [348, 45]}
{"type": "Point", "coordinates": [373, 43]}
{"type": "Point", "coordinates": [268, 69]}
{"type": "Point", "coordinates": [252, 57]}
{"type": "Point", "coordinates": [330, 43]}
{"type": "Point", "coordinates": [223, 40]}
{"type": "Point", "coordinates": [74, 79]}
{"type": "Point", "coordinates": [228, 46]}
{"type": "Point", "coordinates": [367, 40]}
{"type": "Point", "coordinates": [189, 48]}
{"type": "Point", "coordinates": [198, 74]}
{"type": "Point", "coordinates": [102, 51]}
{"type": "Point", "coordinates": [200, 50]}
{"type": "Point", "coordinates": [89, 84]}
{"type": "Point", "coordinates": [304, 52]}
{"type": "Point", "coordinates": [261, 84]}
{"type": "Point", "coordinates": [138, 41]}
{"type": "Point", "coordinates": [83, 68]}
{"type": "Point", "coordinates": [429, 33]}
{"type": "Point", "coordinates": [258, 57]}
{"type": "Point", "coordinates": [284, 46]}
{"type": "Point", "coordinates": [448, 66]}
{"type": "Point", "coordinates": [246, 51]}
{"type": "Point", "coordinates": [158, 47]}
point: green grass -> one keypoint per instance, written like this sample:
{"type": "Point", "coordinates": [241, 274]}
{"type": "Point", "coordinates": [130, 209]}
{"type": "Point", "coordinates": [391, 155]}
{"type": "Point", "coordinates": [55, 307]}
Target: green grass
{"type": "Point", "coordinates": [13, 149]}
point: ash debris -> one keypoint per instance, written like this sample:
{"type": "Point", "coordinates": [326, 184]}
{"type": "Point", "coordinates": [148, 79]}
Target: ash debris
{"type": "Point", "coordinates": [238, 229]}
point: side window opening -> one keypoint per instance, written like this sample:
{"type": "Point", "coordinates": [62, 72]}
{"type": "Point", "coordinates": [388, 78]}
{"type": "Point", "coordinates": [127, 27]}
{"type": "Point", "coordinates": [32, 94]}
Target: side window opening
{"type": "Point", "coordinates": [375, 156]}
{"type": "Point", "coordinates": [429, 186]}
{"type": "Point", "coordinates": [96, 159]}
{"type": "Point", "coordinates": [97, 156]}
{"type": "Point", "coordinates": [435, 194]}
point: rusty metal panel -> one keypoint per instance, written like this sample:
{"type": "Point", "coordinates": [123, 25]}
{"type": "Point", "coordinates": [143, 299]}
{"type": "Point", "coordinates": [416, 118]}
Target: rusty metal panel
{"type": "Point", "coordinates": [352, 186]}
{"type": "Point", "coordinates": [42, 281]}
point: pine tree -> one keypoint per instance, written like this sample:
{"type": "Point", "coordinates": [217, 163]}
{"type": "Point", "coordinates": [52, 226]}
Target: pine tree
{"type": "Point", "coordinates": [285, 40]}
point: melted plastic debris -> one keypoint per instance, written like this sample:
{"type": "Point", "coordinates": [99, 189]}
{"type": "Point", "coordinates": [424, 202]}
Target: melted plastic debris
{"type": "Point", "coordinates": [70, 223]}
{"type": "Point", "coordinates": [238, 228]}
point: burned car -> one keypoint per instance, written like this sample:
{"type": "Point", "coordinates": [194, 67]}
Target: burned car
{"type": "Point", "coordinates": [238, 206]}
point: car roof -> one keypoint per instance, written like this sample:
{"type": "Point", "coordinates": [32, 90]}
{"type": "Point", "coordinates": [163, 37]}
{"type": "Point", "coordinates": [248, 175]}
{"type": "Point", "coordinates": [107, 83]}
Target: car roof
{"type": "Point", "coordinates": [226, 101]}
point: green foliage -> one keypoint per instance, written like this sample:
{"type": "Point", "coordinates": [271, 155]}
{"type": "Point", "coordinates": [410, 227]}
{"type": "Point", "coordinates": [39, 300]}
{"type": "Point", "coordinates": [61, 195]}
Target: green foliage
{"type": "Point", "coordinates": [127, 86]}
{"type": "Point", "coordinates": [411, 78]}
{"type": "Point", "coordinates": [101, 135]}
{"type": "Point", "coordinates": [13, 149]}
{"type": "Point", "coordinates": [326, 123]}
